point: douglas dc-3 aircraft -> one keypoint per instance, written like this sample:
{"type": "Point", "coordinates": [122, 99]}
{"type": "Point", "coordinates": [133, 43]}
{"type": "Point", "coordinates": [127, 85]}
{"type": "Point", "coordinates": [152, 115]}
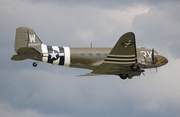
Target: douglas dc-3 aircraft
{"type": "Point", "coordinates": [123, 60]}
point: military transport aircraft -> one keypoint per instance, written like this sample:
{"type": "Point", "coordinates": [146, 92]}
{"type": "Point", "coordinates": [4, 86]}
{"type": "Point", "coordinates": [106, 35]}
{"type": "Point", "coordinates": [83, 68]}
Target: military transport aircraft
{"type": "Point", "coordinates": [123, 60]}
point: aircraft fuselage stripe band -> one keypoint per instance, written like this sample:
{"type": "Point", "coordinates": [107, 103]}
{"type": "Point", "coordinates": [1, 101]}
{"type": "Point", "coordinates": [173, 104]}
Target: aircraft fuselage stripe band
{"type": "Point", "coordinates": [61, 54]}
{"type": "Point", "coordinates": [44, 52]}
{"type": "Point", "coordinates": [67, 56]}
{"type": "Point", "coordinates": [50, 50]}
{"type": "Point", "coordinates": [56, 55]}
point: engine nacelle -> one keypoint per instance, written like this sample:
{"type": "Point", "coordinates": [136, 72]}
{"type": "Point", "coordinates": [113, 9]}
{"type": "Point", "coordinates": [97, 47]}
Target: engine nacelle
{"type": "Point", "coordinates": [56, 55]}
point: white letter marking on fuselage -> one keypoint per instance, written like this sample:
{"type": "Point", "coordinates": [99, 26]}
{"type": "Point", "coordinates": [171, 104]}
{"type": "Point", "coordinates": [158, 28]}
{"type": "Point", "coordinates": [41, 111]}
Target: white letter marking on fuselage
{"type": "Point", "coordinates": [146, 53]}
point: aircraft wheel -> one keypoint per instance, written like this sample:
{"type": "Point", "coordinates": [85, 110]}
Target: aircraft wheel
{"type": "Point", "coordinates": [34, 64]}
{"type": "Point", "coordinates": [135, 68]}
{"type": "Point", "coordinates": [123, 76]}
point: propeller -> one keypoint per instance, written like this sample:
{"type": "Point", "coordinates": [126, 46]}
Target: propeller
{"type": "Point", "coordinates": [153, 59]}
{"type": "Point", "coordinates": [152, 56]}
{"type": "Point", "coordinates": [141, 74]}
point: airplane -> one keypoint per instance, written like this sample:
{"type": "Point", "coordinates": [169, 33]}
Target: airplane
{"type": "Point", "coordinates": [123, 60]}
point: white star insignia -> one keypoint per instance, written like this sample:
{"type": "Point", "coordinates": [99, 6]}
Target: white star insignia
{"type": "Point", "coordinates": [53, 55]}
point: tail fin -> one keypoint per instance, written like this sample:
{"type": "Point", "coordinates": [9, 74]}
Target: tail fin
{"type": "Point", "coordinates": [27, 44]}
{"type": "Point", "coordinates": [26, 37]}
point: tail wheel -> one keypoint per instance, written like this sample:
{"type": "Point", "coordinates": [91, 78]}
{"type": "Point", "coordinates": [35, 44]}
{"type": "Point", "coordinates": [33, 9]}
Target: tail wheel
{"type": "Point", "coordinates": [123, 76]}
{"type": "Point", "coordinates": [34, 64]}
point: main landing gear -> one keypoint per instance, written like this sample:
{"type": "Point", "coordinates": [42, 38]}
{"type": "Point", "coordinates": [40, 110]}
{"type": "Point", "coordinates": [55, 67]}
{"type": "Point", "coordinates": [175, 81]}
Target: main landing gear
{"type": "Point", "coordinates": [134, 68]}
{"type": "Point", "coordinates": [123, 76]}
{"type": "Point", "coordinates": [34, 64]}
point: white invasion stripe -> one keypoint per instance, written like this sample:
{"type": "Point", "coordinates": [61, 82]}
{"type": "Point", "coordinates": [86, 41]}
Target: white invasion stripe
{"type": "Point", "coordinates": [123, 63]}
{"type": "Point", "coordinates": [122, 55]}
{"type": "Point", "coordinates": [57, 49]}
{"type": "Point", "coordinates": [67, 56]}
{"type": "Point", "coordinates": [131, 59]}
{"type": "Point", "coordinates": [44, 48]}
{"type": "Point", "coordinates": [44, 52]}
{"type": "Point", "coordinates": [45, 55]}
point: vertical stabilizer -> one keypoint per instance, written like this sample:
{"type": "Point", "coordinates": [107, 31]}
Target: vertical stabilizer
{"type": "Point", "coordinates": [26, 37]}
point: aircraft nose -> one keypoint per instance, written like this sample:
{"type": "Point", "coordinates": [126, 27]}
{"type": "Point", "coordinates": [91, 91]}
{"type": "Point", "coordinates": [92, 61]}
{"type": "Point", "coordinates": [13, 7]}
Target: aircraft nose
{"type": "Point", "coordinates": [162, 59]}
{"type": "Point", "coordinates": [166, 60]}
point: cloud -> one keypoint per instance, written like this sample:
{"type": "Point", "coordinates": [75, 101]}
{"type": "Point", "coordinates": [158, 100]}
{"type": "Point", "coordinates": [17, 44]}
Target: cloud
{"type": "Point", "coordinates": [7, 111]}
{"type": "Point", "coordinates": [105, 4]}
{"type": "Point", "coordinates": [72, 21]}
{"type": "Point", "coordinates": [51, 92]}
{"type": "Point", "coordinates": [159, 27]}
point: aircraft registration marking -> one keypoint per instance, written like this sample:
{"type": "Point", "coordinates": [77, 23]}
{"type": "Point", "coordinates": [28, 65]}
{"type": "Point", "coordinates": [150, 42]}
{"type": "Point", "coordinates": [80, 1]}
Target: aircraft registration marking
{"type": "Point", "coordinates": [146, 53]}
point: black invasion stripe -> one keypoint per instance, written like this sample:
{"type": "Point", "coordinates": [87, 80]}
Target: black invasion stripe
{"type": "Point", "coordinates": [121, 60]}
{"type": "Point", "coordinates": [120, 57]}
{"type": "Point", "coordinates": [61, 49]}
{"type": "Point", "coordinates": [49, 48]}
{"type": "Point", "coordinates": [62, 58]}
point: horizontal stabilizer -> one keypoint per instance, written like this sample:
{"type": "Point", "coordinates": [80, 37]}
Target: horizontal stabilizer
{"type": "Point", "coordinates": [28, 51]}
{"type": "Point", "coordinates": [25, 53]}
{"type": "Point", "coordinates": [17, 58]}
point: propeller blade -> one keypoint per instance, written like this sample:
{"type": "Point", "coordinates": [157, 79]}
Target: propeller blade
{"type": "Point", "coordinates": [156, 70]}
{"type": "Point", "coordinates": [143, 73]}
{"type": "Point", "coordinates": [152, 56]}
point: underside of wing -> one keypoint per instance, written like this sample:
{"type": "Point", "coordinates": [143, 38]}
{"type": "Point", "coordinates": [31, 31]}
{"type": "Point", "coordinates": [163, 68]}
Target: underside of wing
{"type": "Point", "coordinates": [89, 74]}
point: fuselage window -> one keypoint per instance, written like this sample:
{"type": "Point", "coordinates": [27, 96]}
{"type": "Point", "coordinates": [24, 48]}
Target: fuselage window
{"type": "Point", "coordinates": [82, 54]}
{"type": "Point", "coordinates": [97, 54]}
{"type": "Point", "coordinates": [106, 54]}
{"type": "Point", "coordinates": [90, 54]}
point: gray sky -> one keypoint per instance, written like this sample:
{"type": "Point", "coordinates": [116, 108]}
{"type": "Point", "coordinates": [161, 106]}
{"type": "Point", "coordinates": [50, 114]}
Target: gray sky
{"type": "Point", "coordinates": [54, 91]}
